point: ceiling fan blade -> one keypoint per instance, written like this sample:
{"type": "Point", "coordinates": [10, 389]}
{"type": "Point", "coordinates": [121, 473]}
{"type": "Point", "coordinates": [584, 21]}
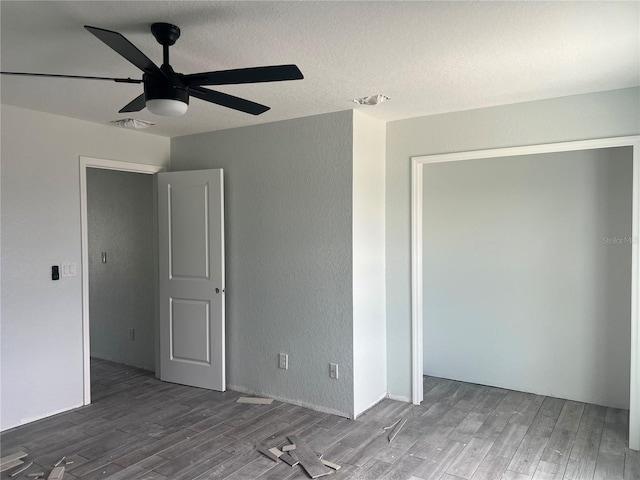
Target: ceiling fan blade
{"type": "Point", "coordinates": [126, 49]}
{"type": "Point", "coordinates": [81, 77]}
{"type": "Point", "coordinates": [275, 73]}
{"type": "Point", "coordinates": [228, 101]}
{"type": "Point", "coordinates": [134, 105]}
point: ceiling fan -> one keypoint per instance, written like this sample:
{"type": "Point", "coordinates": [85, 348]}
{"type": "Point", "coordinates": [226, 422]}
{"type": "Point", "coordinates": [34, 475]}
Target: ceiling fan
{"type": "Point", "coordinates": [167, 92]}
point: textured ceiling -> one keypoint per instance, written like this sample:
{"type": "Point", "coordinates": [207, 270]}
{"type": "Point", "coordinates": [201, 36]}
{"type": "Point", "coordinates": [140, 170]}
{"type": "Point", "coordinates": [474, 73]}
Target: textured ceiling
{"type": "Point", "coordinates": [429, 57]}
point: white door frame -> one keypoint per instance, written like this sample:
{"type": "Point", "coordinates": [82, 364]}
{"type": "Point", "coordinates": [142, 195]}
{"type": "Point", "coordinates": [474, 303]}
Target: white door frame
{"type": "Point", "coordinates": [416, 255]}
{"type": "Point", "coordinates": [89, 162]}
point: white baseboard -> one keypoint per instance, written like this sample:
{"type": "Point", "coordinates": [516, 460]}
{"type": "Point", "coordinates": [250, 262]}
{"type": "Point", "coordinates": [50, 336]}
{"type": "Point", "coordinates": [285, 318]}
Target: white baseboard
{"type": "Point", "coordinates": [318, 408]}
{"type": "Point", "coordinates": [109, 358]}
{"type": "Point", "coordinates": [24, 421]}
{"type": "Point", "coordinates": [299, 403]}
{"type": "Point", "coordinates": [399, 398]}
{"type": "Point", "coordinates": [382, 397]}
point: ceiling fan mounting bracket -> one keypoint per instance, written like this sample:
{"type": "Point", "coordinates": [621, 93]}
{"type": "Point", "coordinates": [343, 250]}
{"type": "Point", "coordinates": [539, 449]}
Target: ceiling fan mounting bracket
{"type": "Point", "coordinates": [165, 33]}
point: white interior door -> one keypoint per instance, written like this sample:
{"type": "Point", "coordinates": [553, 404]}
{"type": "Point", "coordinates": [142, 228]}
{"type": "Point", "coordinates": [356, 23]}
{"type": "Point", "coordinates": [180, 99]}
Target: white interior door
{"type": "Point", "coordinates": [191, 249]}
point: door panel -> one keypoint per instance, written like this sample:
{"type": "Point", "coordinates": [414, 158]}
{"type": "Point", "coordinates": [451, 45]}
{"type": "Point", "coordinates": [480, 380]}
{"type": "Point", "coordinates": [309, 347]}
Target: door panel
{"type": "Point", "coordinates": [191, 247]}
{"type": "Point", "coordinates": [188, 252]}
{"type": "Point", "coordinates": [189, 329]}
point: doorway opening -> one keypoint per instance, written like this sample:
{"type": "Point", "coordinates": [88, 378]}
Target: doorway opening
{"type": "Point", "coordinates": [417, 256]}
{"type": "Point", "coordinates": [119, 264]}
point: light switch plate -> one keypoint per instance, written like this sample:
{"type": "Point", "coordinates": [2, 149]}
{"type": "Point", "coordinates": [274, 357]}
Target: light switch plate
{"type": "Point", "coordinates": [68, 270]}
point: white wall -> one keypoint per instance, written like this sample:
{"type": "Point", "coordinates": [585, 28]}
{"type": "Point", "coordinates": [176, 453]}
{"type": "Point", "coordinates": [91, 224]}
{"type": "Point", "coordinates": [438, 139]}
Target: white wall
{"type": "Point", "coordinates": [288, 214]}
{"type": "Point", "coordinates": [516, 256]}
{"type": "Point", "coordinates": [580, 117]}
{"type": "Point", "coordinates": [42, 319]}
{"type": "Point", "coordinates": [120, 219]}
{"type": "Point", "coordinates": [369, 323]}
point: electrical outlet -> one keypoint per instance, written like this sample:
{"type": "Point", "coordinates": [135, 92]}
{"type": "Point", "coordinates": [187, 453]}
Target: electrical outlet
{"type": "Point", "coordinates": [333, 370]}
{"type": "Point", "coordinates": [132, 334]}
{"type": "Point", "coordinates": [283, 361]}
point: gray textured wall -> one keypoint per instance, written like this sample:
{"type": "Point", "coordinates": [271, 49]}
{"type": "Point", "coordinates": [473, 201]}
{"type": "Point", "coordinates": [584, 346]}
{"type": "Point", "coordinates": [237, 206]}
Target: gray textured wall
{"type": "Point", "coordinates": [579, 117]}
{"type": "Point", "coordinates": [288, 215]}
{"type": "Point", "coordinates": [525, 285]}
{"type": "Point", "coordinates": [120, 223]}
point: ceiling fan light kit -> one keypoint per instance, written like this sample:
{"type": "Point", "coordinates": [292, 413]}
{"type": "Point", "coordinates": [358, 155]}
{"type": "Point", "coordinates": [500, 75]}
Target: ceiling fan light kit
{"type": "Point", "coordinates": [167, 107]}
{"type": "Point", "coordinates": [166, 100]}
{"type": "Point", "coordinates": [166, 92]}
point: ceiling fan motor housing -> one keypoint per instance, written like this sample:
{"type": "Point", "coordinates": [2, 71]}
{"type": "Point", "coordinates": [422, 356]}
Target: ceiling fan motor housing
{"type": "Point", "coordinates": [165, 92]}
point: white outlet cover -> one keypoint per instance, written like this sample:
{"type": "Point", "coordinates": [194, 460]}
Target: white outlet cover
{"type": "Point", "coordinates": [283, 361]}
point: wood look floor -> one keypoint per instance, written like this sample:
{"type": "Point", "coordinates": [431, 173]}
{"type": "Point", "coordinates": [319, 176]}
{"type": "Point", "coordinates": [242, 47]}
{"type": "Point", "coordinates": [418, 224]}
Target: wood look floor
{"type": "Point", "coordinates": [141, 428]}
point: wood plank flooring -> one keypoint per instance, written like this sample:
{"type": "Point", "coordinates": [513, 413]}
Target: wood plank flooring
{"type": "Point", "coordinates": [141, 428]}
